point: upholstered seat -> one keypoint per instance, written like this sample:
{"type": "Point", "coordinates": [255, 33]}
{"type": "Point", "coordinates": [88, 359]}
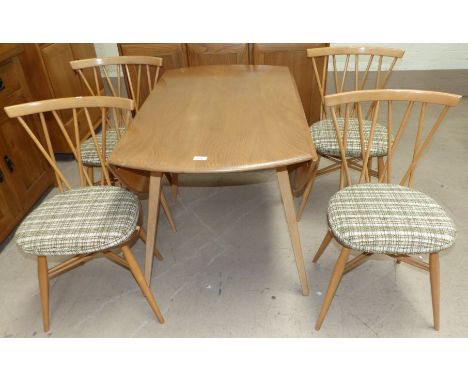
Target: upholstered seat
{"type": "Point", "coordinates": [80, 221]}
{"type": "Point", "coordinates": [325, 140]}
{"type": "Point", "coordinates": [388, 218]}
{"type": "Point", "coordinates": [89, 156]}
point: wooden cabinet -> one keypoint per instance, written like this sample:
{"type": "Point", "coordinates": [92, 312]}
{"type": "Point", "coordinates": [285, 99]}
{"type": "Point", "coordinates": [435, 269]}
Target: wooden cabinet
{"type": "Point", "coordinates": [24, 173]}
{"type": "Point", "coordinates": [291, 55]}
{"type": "Point", "coordinates": [8, 202]}
{"type": "Point", "coordinates": [173, 55]}
{"type": "Point", "coordinates": [295, 58]}
{"type": "Point", "coordinates": [217, 54]}
{"type": "Point", "coordinates": [49, 66]}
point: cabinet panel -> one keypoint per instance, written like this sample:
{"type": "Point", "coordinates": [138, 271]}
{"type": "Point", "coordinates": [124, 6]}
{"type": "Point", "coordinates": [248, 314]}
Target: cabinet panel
{"type": "Point", "coordinates": [27, 170]}
{"type": "Point", "coordinates": [9, 206]}
{"type": "Point", "coordinates": [81, 52]}
{"type": "Point", "coordinates": [24, 173]}
{"type": "Point", "coordinates": [49, 66]}
{"type": "Point", "coordinates": [10, 81]}
{"type": "Point", "coordinates": [217, 54]}
{"type": "Point", "coordinates": [294, 56]}
{"type": "Point", "coordinates": [62, 78]}
{"type": "Point", "coordinates": [173, 55]}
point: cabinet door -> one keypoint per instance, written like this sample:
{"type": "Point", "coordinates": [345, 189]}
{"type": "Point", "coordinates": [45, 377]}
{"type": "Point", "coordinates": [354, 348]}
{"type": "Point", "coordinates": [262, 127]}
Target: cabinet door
{"type": "Point", "coordinates": [62, 78]}
{"type": "Point", "coordinates": [81, 52]}
{"type": "Point", "coordinates": [294, 56]}
{"type": "Point", "coordinates": [9, 206]}
{"type": "Point", "coordinates": [217, 54]}
{"type": "Point", "coordinates": [28, 172]}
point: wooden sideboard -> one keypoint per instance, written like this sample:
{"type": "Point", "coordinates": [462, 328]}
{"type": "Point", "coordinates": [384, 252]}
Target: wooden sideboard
{"type": "Point", "coordinates": [49, 66]}
{"type": "Point", "coordinates": [291, 55]}
{"type": "Point", "coordinates": [24, 174]}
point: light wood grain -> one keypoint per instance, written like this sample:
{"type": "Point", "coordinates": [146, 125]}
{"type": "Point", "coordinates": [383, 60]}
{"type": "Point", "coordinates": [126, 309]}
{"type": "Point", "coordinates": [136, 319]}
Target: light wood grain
{"type": "Point", "coordinates": [434, 272]}
{"type": "Point", "coordinates": [116, 60]}
{"type": "Point", "coordinates": [359, 50]}
{"type": "Point", "coordinates": [393, 95]}
{"type": "Point", "coordinates": [286, 195]}
{"type": "Point", "coordinates": [136, 272]}
{"type": "Point", "coordinates": [294, 56]}
{"type": "Point", "coordinates": [241, 117]}
{"type": "Point", "coordinates": [308, 188]}
{"type": "Point", "coordinates": [388, 96]}
{"type": "Point", "coordinates": [326, 240]}
{"type": "Point", "coordinates": [42, 272]}
{"type": "Point", "coordinates": [333, 286]}
{"type": "Point", "coordinates": [68, 103]}
{"type": "Point", "coordinates": [153, 214]}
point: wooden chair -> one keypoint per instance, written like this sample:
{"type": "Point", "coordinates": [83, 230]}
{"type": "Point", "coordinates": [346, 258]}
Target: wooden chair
{"type": "Point", "coordinates": [383, 217]}
{"type": "Point", "coordinates": [86, 221]}
{"type": "Point", "coordinates": [377, 61]}
{"type": "Point", "coordinates": [142, 73]}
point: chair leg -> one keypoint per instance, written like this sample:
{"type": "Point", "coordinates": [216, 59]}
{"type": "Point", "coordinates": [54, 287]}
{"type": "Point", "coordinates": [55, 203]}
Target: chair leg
{"type": "Point", "coordinates": [342, 176]}
{"type": "Point", "coordinates": [434, 272]}
{"type": "Point", "coordinates": [333, 285]}
{"type": "Point", "coordinates": [42, 271]}
{"type": "Point", "coordinates": [167, 211]}
{"type": "Point", "coordinates": [156, 252]}
{"type": "Point", "coordinates": [308, 189]}
{"type": "Point", "coordinates": [140, 279]}
{"type": "Point", "coordinates": [326, 240]}
{"type": "Point", "coordinates": [369, 168]}
{"type": "Point", "coordinates": [380, 166]}
{"type": "Point", "coordinates": [90, 172]}
{"type": "Point", "coordinates": [174, 185]}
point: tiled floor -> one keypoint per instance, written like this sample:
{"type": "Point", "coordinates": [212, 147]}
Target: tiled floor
{"type": "Point", "coordinates": [229, 270]}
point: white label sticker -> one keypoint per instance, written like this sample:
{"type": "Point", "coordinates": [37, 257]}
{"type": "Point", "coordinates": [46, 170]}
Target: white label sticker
{"type": "Point", "coordinates": [197, 157]}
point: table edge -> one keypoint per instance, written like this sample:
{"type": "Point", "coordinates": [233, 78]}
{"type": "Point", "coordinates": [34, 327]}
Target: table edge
{"type": "Point", "coordinates": [224, 169]}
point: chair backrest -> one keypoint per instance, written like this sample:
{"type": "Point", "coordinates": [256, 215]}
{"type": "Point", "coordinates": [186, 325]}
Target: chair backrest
{"type": "Point", "coordinates": [425, 131]}
{"type": "Point", "coordinates": [114, 105]}
{"type": "Point", "coordinates": [141, 75]}
{"type": "Point", "coordinates": [380, 61]}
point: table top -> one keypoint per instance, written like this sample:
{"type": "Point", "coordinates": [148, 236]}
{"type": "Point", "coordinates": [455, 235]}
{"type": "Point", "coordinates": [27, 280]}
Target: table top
{"type": "Point", "coordinates": [220, 118]}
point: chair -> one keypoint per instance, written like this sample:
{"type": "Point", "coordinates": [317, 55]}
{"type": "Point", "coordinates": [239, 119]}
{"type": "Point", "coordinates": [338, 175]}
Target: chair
{"type": "Point", "coordinates": [84, 221]}
{"type": "Point", "coordinates": [387, 218]}
{"type": "Point", "coordinates": [379, 62]}
{"type": "Point", "coordinates": [142, 73]}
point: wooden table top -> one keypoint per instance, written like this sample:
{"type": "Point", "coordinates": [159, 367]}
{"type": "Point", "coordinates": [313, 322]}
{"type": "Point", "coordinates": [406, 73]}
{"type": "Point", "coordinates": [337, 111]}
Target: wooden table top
{"type": "Point", "coordinates": [222, 118]}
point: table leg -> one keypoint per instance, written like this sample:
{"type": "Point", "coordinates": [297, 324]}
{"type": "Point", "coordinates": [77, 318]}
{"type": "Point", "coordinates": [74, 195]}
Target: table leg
{"type": "Point", "coordinates": [153, 213]}
{"type": "Point", "coordinates": [289, 210]}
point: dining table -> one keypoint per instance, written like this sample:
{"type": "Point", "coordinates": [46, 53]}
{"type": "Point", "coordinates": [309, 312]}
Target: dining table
{"type": "Point", "coordinates": [219, 119]}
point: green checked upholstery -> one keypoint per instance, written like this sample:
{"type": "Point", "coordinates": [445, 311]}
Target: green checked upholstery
{"type": "Point", "coordinates": [325, 140]}
{"type": "Point", "coordinates": [80, 221]}
{"type": "Point", "coordinates": [388, 218]}
{"type": "Point", "coordinates": [89, 156]}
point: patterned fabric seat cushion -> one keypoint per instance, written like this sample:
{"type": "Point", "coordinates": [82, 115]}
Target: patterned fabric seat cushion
{"type": "Point", "coordinates": [324, 136]}
{"type": "Point", "coordinates": [89, 156]}
{"type": "Point", "coordinates": [80, 221]}
{"type": "Point", "coordinates": [388, 218]}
